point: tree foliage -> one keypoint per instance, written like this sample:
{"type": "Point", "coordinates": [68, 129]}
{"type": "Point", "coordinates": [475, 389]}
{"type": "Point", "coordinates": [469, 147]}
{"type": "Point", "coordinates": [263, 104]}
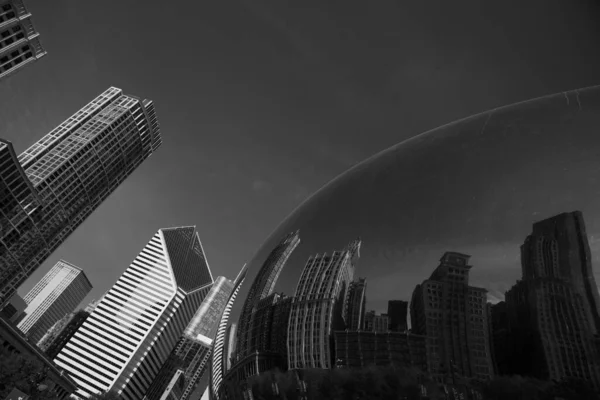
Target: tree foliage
{"type": "Point", "coordinates": [389, 383]}
{"type": "Point", "coordinates": [105, 396]}
{"type": "Point", "coordinates": [24, 373]}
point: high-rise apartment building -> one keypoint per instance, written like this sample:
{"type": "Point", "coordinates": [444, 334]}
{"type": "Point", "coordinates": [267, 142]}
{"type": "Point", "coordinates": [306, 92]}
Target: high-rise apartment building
{"type": "Point", "coordinates": [189, 360]}
{"type": "Point", "coordinates": [263, 286]}
{"type": "Point", "coordinates": [60, 180]}
{"type": "Point", "coordinates": [552, 311]}
{"type": "Point", "coordinates": [19, 41]}
{"type": "Point", "coordinates": [318, 308]}
{"type": "Point", "coordinates": [357, 303]}
{"type": "Point", "coordinates": [453, 316]}
{"type": "Point", "coordinates": [215, 384]}
{"type": "Point", "coordinates": [397, 313]}
{"type": "Point", "coordinates": [124, 342]}
{"type": "Point", "coordinates": [58, 293]}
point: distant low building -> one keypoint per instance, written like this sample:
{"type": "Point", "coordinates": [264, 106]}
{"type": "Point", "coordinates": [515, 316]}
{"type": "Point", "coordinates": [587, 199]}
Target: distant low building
{"type": "Point", "coordinates": [358, 349]}
{"type": "Point", "coordinates": [58, 381]}
{"type": "Point", "coordinates": [14, 309]}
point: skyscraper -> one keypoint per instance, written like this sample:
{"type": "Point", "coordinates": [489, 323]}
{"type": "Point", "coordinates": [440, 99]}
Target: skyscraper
{"type": "Point", "coordinates": [60, 180]}
{"type": "Point", "coordinates": [454, 318]}
{"type": "Point", "coordinates": [216, 365]}
{"type": "Point", "coordinates": [357, 302]}
{"type": "Point", "coordinates": [318, 307]}
{"type": "Point", "coordinates": [136, 325]}
{"type": "Point", "coordinates": [190, 357]}
{"type": "Point", "coordinates": [263, 286]}
{"type": "Point", "coordinates": [397, 313]}
{"type": "Point", "coordinates": [58, 293]}
{"type": "Point", "coordinates": [19, 42]}
{"type": "Point", "coordinates": [552, 312]}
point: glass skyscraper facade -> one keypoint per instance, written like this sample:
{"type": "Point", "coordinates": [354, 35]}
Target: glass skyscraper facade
{"type": "Point", "coordinates": [60, 180]}
{"type": "Point", "coordinates": [58, 293]}
{"type": "Point", "coordinates": [216, 365]}
{"type": "Point", "coordinates": [190, 358]}
{"type": "Point", "coordinates": [19, 41]}
{"type": "Point", "coordinates": [133, 329]}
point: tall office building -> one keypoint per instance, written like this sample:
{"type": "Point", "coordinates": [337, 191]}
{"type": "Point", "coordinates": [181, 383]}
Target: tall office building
{"type": "Point", "coordinates": [263, 286]}
{"type": "Point", "coordinates": [357, 303]}
{"type": "Point", "coordinates": [58, 293]}
{"type": "Point", "coordinates": [215, 386]}
{"type": "Point", "coordinates": [453, 316]}
{"type": "Point", "coordinates": [318, 308]}
{"type": "Point", "coordinates": [188, 361]}
{"type": "Point", "coordinates": [397, 313]}
{"type": "Point", "coordinates": [60, 180]}
{"type": "Point", "coordinates": [552, 311]}
{"type": "Point", "coordinates": [136, 325]}
{"type": "Point", "coordinates": [19, 42]}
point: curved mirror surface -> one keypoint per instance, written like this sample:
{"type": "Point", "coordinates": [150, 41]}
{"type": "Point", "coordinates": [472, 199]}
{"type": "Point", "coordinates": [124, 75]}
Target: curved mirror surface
{"type": "Point", "coordinates": [475, 186]}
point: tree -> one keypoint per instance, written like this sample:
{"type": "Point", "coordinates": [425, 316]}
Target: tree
{"type": "Point", "coordinates": [110, 395]}
{"type": "Point", "coordinates": [24, 373]}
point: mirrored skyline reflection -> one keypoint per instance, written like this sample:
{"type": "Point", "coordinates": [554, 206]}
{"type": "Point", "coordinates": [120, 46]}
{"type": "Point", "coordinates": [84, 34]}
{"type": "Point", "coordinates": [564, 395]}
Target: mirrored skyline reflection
{"type": "Point", "coordinates": [474, 186]}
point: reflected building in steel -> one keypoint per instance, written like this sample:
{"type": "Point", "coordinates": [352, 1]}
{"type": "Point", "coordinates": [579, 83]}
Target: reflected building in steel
{"type": "Point", "coordinates": [357, 303]}
{"type": "Point", "coordinates": [454, 318]}
{"type": "Point", "coordinates": [133, 329]}
{"type": "Point", "coordinates": [59, 181]}
{"type": "Point", "coordinates": [263, 286]}
{"type": "Point", "coordinates": [553, 310]}
{"type": "Point", "coordinates": [318, 308]}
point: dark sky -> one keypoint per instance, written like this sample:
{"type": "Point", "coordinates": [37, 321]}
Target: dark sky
{"type": "Point", "coordinates": [262, 102]}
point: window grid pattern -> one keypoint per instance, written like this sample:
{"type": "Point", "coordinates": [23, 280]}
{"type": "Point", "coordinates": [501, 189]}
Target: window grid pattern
{"type": "Point", "coordinates": [58, 293]}
{"type": "Point", "coordinates": [263, 286]}
{"type": "Point", "coordinates": [318, 307]}
{"type": "Point", "coordinates": [135, 326]}
{"type": "Point", "coordinates": [19, 42]}
{"type": "Point", "coordinates": [19, 211]}
{"type": "Point", "coordinates": [73, 170]}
